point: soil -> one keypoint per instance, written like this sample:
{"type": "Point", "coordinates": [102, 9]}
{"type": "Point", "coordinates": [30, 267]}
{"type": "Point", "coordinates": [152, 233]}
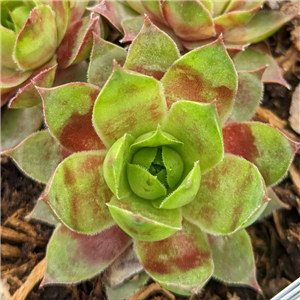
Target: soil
{"type": "Point", "coordinates": [275, 240]}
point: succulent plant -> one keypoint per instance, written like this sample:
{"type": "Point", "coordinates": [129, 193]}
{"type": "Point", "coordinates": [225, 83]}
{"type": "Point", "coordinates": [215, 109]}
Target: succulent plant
{"type": "Point", "coordinates": [160, 151]}
{"type": "Point", "coordinates": [194, 23]}
{"type": "Point", "coordinates": [37, 37]}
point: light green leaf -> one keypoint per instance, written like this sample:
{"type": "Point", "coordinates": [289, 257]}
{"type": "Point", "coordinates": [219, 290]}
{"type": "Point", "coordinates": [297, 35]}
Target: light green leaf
{"type": "Point", "coordinates": [197, 126]}
{"type": "Point", "coordinates": [203, 75]}
{"type": "Point", "coordinates": [38, 155]}
{"type": "Point", "coordinates": [228, 196]}
{"type": "Point", "coordinates": [72, 257]}
{"type": "Point", "coordinates": [266, 147]}
{"type": "Point", "coordinates": [233, 259]}
{"type": "Point", "coordinates": [78, 190]}
{"type": "Point", "coordinates": [128, 103]}
{"type": "Point", "coordinates": [141, 220]}
{"type": "Point", "coordinates": [37, 41]}
{"type": "Point", "coordinates": [159, 55]}
{"type": "Point", "coordinates": [18, 124]}
{"type": "Point", "coordinates": [181, 263]}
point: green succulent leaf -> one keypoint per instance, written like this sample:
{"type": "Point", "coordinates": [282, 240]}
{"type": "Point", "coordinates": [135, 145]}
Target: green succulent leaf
{"type": "Point", "coordinates": [78, 190]}
{"type": "Point", "coordinates": [8, 39]}
{"type": "Point", "coordinates": [115, 164]}
{"type": "Point", "coordinates": [77, 43]}
{"type": "Point", "coordinates": [229, 21]}
{"type": "Point", "coordinates": [190, 20]}
{"type": "Point", "coordinates": [182, 263]}
{"type": "Point", "coordinates": [274, 204]}
{"type": "Point", "coordinates": [11, 78]}
{"type": "Point", "coordinates": [68, 113]}
{"type": "Point", "coordinates": [128, 103]}
{"type": "Point", "coordinates": [62, 12]}
{"type": "Point", "coordinates": [144, 184]}
{"type": "Point", "coordinates": [155, 139]}
{"type": "Point", "coordinates": [263, 145]}
{"type": "Point", "coordinates": [144, 157]}
{"type": "Point", "coordinates": [174, 166]}
{"type": "Point", "coordinates": [154, 10]}
{"type": "Point", "coordinates": [101, 60]}
{"type": "Point", "coordinates": [74, 73]}
{"type": "Point", "coordinates": [233, 258]}
{"type": "Point", "coordinates": [249, 95]}
{"type": "Point", "coordinates": [27, 96]}
{"type": "Point", "coordinates": [114, 12]}
{"type": "Point", "coordinates": [128, 288]}
{"type": "Point", "coordinates": [131, 28]}
{"type": "Point", "coordinates": [19, 17]}
{"type": "Point", "coordinates": [141, 220]}
{"type": "Point", "coordinates": [197, 126]}
{"type": "Point", "coordinates": [18, 124]}
{"type": "Point", "coordinates": [73, 257]}
{"type": "Point", "coordinates": [219, 7]}
{"type": "Point", "coordinates": [137, 6]}
{"type": "Point", "coordinates": [37, 41]}
{"type": "Point", "coordinates": [43, 213]}
{"type": "Point", "coordinates": [240, 5]}
{"type": "Point", "coordinates": [160, 55]}
{"type": "Point", "coordinates": [225, 200]}
{"type": "Point", "coordinates": [261, 26]}
{"type": "Point", "coordinates": [256, 57]}
{"type": "Point", "coordinates": [78, 8]}
{"type": "Point", "coordinates": [189, 79]}
{"type": "Point", "coordinates": [123, 268]}
{"type": "Point", "coordinates": [38, 155]}
{"type": "Point", "coordinates": [185, 193]}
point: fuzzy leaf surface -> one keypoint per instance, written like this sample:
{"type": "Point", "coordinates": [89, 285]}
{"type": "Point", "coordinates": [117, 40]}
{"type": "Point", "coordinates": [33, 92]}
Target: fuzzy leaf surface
{"type": "Point", "coordinates": [263, 145]}
{"type": "Point", "coordinates": [232, 20]}
{"type": "Point", "coordinates": [18, 124]}
{"type": "Point", "coordinates": [124, 267]}
{"type": "Point", "coordinates": [249, 95]}
{"type": "Point", "coordinates": [255, 58]}
{"type": "Point", "coordinates": [189, 78]}
{"type": "Point", "coordinates": [261, 26]}
{"type": "Point", "coordinates": [42, 149]}
{"type": "Point", "coordinates": [8, 39]}
{"type": "Point", "coordinates": [78, 190]}
{"type": "Point", "coordinates": [154, 10]}
{"type": "Point", "coordinates": [184, 193]}
{"type": "Point", "coordinates": [182, 263]}
{"type": "Point", "coordinates": [190, 20]}
{"type": "Point", "coordinates": [114, 167]}
{"type": "Point", "coordinates": [114, 12]}
{"type": "Point", "coordinates": [43, 213]}
{"type": "Point", "coordinates": [141, 220]}
{"type": "Point", "coordinates": [197, 126]}
{"type": "Point", "coordinates": [68, 113]}
{"type": "Point", "coordinates": [128, 103]}
{"type": "Point", "coordinates": [233, 258]}
{"type": "Point", "coordinates": [37, 41]}
{"type": "Point", "coordinates": [11, 78]}
{"type": "Point", "coordinates": [74, 257]}
{"type": "Point", "coordinates": [160, 55]}
{"type": "Point", "coordinates": [128, 288]}
{"type": "Point", "coordinates": [228, 195]}
{"type": "Point", "coordinates": [27, 96]}
{"type": "Point", "coordinates": [131, 28]}
{"type": "Point", "coordinates": [101, 60]}
{"type": "Point", "coordinates": [78, 41]}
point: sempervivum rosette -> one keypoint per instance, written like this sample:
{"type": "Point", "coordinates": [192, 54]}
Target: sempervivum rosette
{"type": "Point", "coordinates": [157, 158]}
{"type": "Point", "coordinates": [40, 41]}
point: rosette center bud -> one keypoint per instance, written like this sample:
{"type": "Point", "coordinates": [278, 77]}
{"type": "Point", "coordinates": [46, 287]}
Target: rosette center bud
{"type": "Point", "coordinates": [154, 172]}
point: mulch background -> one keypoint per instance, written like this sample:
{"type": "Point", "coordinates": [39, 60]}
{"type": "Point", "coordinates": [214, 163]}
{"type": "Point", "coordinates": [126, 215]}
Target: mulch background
{"type": "Point", "coordinates": [276, 240]}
